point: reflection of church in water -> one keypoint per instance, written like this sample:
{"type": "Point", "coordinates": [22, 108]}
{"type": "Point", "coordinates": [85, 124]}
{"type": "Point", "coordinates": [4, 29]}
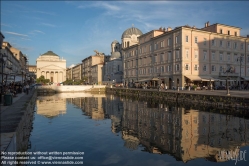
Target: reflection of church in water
{"type": "Point", "coordinates": [51, 106]}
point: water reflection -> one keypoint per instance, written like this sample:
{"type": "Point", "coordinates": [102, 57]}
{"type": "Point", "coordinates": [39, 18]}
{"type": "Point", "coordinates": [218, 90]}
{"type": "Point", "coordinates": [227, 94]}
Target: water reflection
{"type": "Point", "coordinates": [159, 128]}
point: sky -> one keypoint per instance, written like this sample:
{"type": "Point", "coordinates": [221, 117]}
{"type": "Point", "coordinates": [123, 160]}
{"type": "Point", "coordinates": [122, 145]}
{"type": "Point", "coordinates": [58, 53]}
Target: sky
{"type": "Point", "coordinates": [74, 29]}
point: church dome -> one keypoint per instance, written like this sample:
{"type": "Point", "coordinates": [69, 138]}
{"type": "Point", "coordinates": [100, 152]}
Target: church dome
{"type": "Point", "coordinates": [131, 31]}
{"type": "Point", "coordinates": [49, 53]}
{"type": "Point", "coordinates": [115, 42]}
{"type": "Point", "coordinates": [115, 55]}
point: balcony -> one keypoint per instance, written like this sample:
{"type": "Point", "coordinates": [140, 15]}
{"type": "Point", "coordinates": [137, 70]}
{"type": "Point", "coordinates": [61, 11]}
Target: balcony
{"type": "Point", "coordinates": [221, 74]}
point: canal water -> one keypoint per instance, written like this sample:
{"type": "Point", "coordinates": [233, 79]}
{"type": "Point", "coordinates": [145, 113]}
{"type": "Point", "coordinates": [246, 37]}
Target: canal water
{"type": "Point", "coordinates": [100, 129]}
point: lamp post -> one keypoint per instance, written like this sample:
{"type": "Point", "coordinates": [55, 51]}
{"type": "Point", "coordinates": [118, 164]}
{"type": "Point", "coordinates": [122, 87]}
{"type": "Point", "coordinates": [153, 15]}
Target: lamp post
{"type": "Point", "coordinates": [3, 60]}
{"type": "Point", "coordinates": [227, 71]}
{"type": "Point", "coordinates": [240, 60]}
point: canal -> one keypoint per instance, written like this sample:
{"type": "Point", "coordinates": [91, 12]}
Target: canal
{"type": "Point", "coordinates": [100, 129]}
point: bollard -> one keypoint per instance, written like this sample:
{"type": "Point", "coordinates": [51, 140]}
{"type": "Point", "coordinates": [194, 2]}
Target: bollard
{"type": "Point", "coordinates": [189, 88]}
{"type": "Point", "coordinates": [178, 89]}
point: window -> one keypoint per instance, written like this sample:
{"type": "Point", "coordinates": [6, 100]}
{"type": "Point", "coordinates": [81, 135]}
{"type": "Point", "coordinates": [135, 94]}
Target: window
{"type": "Point", "coordinates": [248, 59]}
{"type": "Point", "coordinates": [187, 54]}
{"type": "Point", "coordinates": [176, 39]}
{"type": "Point", "coordinates": [196, 54]}
{"type": "Point", "coordinates": [161, 57]}
{"type": "Point", "coordinates": [221, 68]}
{"type": "Point", "coordinates": [235, 45]}
{"type": "Point", "coordinates": [228, 32]}
{"type": "Point", "coordinates": [169, 42]}
{"type": "Point", "coordinates": [169, 67]}
{"type": "Point", "coordinates": [186, 67]}
{"type": "Point", "coordinates": [196, 67]}
{"type": "Point", "coordinates": [213, 68]}
{"type": "Point", "coordinates": [213, 55]}
{"type": "Point", "coordinates": [235, 57]}
{"type": "Point", "coordinates": [196, 40]}
{"type": "Point", "coordinates": [169, 56]}
{"type": "Point", "coordinates": [204, 55]}
{"type": "Point", "coordinates": [150, 47]}
{"type": "Point", "coordinates": [241, 46]}
{"type": "Point", "coordinates": [205, 41]}
{"type": "Point", "coordinates": [235, 33]}
{"type": "Point", "coordinates": [204, 68]}
{"type": "Point", "coordinates": [220, 31]}
{"type": "Point", "coordinates": [221, 43]}
{"type": "Point", "coordinates": [213, 42]}
{"type": "Point", "coordinates": [162, 44]}
{"type": "Point", "coordinates": [228, 44]}
{"type": "Point", "coordinates": [228, 57]}
{"type": "Point", "coordinates": [177, 54]}
{"type": "Point", "coordinates": [177, 67]}
{"type": "Point", "coordinates": [186, 38]}
{"type": "Point", "coordinates": [221, 56]}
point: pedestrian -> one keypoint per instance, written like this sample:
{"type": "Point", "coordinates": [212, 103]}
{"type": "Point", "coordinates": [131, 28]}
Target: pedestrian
{"type": "Point", "coordinates": [27, 89]}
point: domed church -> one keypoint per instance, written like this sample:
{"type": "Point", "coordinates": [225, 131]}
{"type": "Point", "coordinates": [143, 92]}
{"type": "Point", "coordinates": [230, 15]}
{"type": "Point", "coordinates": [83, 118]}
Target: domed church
{"type": "Point", "coordinates": [52, 67]}
{"type": "Point", "coordinates": [129, 37]}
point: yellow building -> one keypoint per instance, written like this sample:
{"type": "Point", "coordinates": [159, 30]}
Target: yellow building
{"type": "Point", "coordinates": [188, 55]}
{"type": "Point", "coordinates": [52, 67]}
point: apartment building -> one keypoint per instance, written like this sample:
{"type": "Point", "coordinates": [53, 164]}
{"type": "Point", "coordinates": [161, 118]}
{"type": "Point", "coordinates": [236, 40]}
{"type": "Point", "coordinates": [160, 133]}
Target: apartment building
{"type": "Point", "coordinates": [12, 69]}
{"type": "Point", "coordinates": [97, 73]}
{"type": "Point", "coordinates": [77, 72]}
{"type": "Point", "coordinates": [187, 55]}
{"type": "Point", "coordinates": [87, 64]}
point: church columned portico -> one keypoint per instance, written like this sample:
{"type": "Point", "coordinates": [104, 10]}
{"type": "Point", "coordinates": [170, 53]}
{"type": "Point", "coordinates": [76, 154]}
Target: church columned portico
{"type": "Point", "coordinates": [51, 67]}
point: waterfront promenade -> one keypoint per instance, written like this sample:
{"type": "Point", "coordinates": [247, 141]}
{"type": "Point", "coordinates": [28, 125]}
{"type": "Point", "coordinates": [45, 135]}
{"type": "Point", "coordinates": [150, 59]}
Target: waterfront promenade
{"type": "Point", "coordinates": [13, 118]}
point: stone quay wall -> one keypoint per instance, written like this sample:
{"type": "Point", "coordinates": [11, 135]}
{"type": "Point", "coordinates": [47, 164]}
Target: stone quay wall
{"type": "Point", "coordinates": [237, 100]}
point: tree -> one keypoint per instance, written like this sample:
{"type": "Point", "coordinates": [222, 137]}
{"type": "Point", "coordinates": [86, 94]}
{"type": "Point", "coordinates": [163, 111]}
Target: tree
{"type": "Point", "coordinates": [42, 80]}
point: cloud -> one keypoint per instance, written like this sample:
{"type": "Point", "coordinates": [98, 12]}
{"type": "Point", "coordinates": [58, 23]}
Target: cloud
{"type": "Point", "coordinates": [17, 34]}
{"type": "Point", "coordinates": [39, 31]}
{"type": "Point", "coordinates": [6, 25]}
{"type": "Point", "coordinates": [49, 25]}
{"type": "Point", "coordinates": [105, 5]}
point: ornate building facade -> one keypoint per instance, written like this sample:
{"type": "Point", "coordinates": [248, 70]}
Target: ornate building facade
{"type": "Point", "coordinates": [52, 67]}
{"type": "Point", "coordinates": [188, 55]}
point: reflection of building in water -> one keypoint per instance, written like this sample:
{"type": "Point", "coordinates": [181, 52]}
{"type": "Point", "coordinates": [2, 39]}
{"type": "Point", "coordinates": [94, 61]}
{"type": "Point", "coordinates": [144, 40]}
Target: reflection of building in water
{"type": "Point", "coordinates": [114, 109]}
{"type": "Point", "coordinates": [93, 107]}
{"type": "Point", "coordinates": [50, 106]}
{"type": "Point", "coordinates": [185, 134]}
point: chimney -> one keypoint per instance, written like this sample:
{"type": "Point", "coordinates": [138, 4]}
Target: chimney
{"type": "Point", "coordinates": [160, 28]}
{"type": "Point", "coordinates": [208, 23]}
{"type": "Point", "coordinates": [164, 29]}
{"type": "Point", "coordinates": [205, 24]}
{"type": "Point", "coordinates": [169, 29]}
{"type": "Point", "coordinates": [248, 36]}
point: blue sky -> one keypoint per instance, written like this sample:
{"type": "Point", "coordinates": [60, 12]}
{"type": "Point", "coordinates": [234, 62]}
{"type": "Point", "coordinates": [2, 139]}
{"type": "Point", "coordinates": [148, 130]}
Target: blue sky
{"type": "Point", "coordinates": [74, 29]}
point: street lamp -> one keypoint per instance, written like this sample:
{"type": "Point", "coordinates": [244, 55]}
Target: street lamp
{"type": "Point", "coordinates": [3, 60]}
{"type": "Point", "coordinates": [227, 71]}
{"type": "Point", "coordinates": [240, 60]}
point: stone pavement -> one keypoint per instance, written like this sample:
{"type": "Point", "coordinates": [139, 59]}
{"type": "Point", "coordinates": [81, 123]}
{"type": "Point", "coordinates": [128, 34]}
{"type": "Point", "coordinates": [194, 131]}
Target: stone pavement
{"type": "Point", "coordinates": [11, 117]}
{"type": "Point", "coordinates": [19, 95]}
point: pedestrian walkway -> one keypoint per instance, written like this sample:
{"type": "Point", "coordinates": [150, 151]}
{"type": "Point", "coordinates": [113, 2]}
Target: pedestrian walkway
{"type": "Point", "coordinates": [18, 96]}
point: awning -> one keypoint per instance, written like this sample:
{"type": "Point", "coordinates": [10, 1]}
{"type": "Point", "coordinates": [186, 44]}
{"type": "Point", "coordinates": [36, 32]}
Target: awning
{"type": "Point", "coordinates": [155, 79]}
{"type": "Point", "coordinates": [246, 78]}
{"type": "Point", "coordinates": [144, 80]}
{"type": "Point", "coordinates": [201, 78]}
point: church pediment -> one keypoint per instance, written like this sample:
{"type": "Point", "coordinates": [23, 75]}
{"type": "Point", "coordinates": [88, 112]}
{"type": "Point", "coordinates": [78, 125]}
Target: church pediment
{"type": "Point", "coordinates": [52, 67]}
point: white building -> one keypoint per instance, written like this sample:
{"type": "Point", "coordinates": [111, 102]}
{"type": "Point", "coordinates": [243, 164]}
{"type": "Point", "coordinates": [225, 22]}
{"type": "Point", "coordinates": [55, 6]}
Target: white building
{"type": "Point", "coordinates": [52, 67]}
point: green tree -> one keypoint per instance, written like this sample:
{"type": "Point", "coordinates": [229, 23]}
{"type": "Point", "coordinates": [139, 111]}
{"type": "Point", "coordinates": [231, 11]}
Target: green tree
{"type": "Point", "coordinates": [42, 80]}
